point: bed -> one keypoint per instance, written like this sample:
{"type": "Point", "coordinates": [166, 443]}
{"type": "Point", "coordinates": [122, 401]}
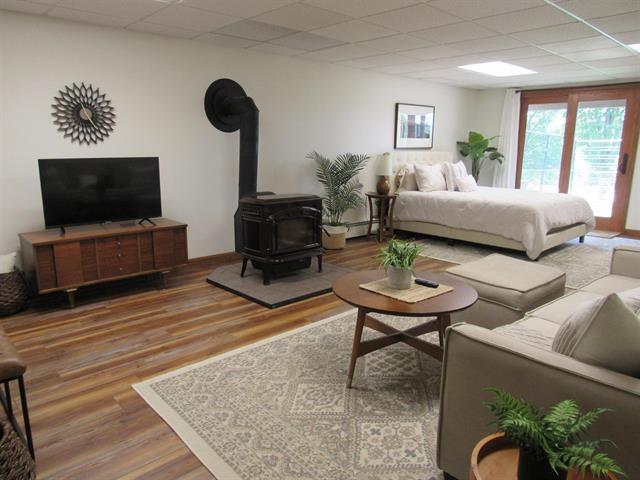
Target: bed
{"type": "Point", "coordinates": [532, 222]}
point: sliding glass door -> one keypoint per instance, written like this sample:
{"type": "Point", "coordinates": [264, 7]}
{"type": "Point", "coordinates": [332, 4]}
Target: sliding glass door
{"type": "Point", "coordinates": [581, 141]}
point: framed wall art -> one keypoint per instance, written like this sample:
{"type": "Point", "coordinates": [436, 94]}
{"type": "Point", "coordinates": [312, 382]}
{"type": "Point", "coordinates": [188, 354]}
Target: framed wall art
{"type": "Point", "coordinates": [414, 126]}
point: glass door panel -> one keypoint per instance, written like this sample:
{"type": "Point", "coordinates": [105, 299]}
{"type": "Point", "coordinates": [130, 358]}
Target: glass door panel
{"type": "Point", "coordinates": [596, 152]}
{"type": "Point", "coordinates": [543, 144]}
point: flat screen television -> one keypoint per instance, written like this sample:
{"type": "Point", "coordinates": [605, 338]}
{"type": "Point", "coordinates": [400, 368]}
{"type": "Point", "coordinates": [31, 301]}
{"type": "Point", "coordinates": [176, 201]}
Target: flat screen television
{"type": "Point", "coordinates": [78, 191]}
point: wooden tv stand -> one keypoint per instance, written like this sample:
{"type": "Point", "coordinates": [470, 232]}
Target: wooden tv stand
{"type": "Point", "coordinates": [89, 254]}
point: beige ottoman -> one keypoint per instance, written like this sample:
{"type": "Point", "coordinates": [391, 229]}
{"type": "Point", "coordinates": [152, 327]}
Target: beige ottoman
{"type": "Point", "coordinates": [507, 289]}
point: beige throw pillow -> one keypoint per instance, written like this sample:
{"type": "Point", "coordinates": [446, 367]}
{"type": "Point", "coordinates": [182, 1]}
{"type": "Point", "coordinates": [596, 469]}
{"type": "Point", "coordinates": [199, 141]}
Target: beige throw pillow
{"type": "Point", "coordinates": [602, 332]}
{"type": "Point", "coordinates": [406, 179]}
{"type": "Point", "coordinates": [467, 184]}
{"type": "Point", "coordinates": [430, 178]}
{"type": "Point", "coordinates": [451, 172]}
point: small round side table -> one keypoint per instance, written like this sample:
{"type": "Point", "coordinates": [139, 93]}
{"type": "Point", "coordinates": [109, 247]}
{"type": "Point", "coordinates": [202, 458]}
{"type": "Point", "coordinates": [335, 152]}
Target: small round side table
{"type": "Point", "coordinates": [388, 199]}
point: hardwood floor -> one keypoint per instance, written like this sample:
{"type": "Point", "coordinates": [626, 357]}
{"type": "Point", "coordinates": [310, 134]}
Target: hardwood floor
{"type": "Point", "coordinates": [88, 422]}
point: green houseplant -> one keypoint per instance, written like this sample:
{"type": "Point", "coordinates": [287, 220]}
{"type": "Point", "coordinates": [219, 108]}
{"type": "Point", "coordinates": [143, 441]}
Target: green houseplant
{"type": "Point", "coordinates": [551, 443]}
{"type": "Point", "coordinates": [342, 191]}
{"type": "Point", "coordinates": [398, 258]}
{"type": "Point", "coordinates": [477, 148]}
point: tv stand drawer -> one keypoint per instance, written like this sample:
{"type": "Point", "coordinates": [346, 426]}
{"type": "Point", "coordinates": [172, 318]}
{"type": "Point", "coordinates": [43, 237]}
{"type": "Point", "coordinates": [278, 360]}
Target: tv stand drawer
{"type": "Point", "coordinates": [118, 256]}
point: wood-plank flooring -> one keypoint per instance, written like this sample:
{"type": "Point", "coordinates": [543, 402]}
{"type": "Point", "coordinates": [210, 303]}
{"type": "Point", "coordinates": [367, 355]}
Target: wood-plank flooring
{"type": "Point", "coordinates": [88, 422]}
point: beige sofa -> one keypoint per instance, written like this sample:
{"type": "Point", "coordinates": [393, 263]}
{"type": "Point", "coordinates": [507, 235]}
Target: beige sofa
{"type": "Point", "coordinates": [517, 357]}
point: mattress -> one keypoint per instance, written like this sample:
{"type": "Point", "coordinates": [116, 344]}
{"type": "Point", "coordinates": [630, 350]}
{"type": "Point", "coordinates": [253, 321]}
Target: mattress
{"type": "Point", "coordinates": [519, 215]}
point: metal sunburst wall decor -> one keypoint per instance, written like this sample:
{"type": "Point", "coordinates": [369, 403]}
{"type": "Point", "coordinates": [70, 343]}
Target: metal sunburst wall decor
{"type": "Point", "coordinates": [84, 114]}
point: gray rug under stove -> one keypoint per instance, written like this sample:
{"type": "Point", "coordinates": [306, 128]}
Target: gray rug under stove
{"type": "Point", "coordinates": [283, 290]}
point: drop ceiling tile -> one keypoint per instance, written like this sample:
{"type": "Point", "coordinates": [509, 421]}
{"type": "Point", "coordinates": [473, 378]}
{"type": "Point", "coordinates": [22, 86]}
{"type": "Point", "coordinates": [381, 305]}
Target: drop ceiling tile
{"type": "Point", "coordinates": [302, 17]}
{"type": "Point", "coordinates": [23, 6]}
{"type": "Point", "coordinates": [456, 32]}
{"type": "Point", "coordinates": [190, 18]}
{"type": "Point", "coordinates": [618, 23]}
{"type": "Point", "coordinates": [306, 41]}
{"type": "Point", "coordinates": [565, 67]}
{"type": "Point", "coordinates": [613, 62]}
{"type": "Point", "coordinates": [570, 46]}
{"type": "Point", "coordinates": [628, 37]}
{"type": "Point", "coordinates": [473, 9]}
{"type": "Point", "coordinates": [417, 17]}
{"type": "Point", "coordinates": [489, 44]}
{"type": "Point", "coordinates": [432, 53]}
{"type": "Point", "coordinates": [541, 61]}
{"type": "Point", "coordinates": [398, 43]}
{"type": "Point", "coordinates": [354, 31]}
{"type": "Point", "coordinates": [226, 40]}
{"type": "Point", "coordinates": [238, 8]}
{"type": "Point", "coordinates": [86, 17]}
{"type": "Point", "coordinates": [343, 52]}
{"type": "Point", "coordinates": [408, 68]}
{"type": "Point", "coordinates": [361, 8]}
{"type": "Point", "coordinates": [588, 9]}
{"type": "Point", "coordinates": [600, 54]}
{"type": "Point", "coordinates": [557, 33]}
{"type": "Point", "coordinates": [380, 60]}
{"type": "Point", "coordinates": [276, 49]}
{"type": "Point", "coordinates": [252, 30]}
{"type": "Point", "coordinates": [531, 18]}
{"type": "Point", "coordinates": [162, 30]}
{"type": "Point", "coordinates": [130, 10]}
{"type": "Point", "coordinates": [516, 53]}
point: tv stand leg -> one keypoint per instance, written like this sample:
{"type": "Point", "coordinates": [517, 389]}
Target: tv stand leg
{"type": "Point", "coordinates": [71, 297]}
{"type": "Point", "coordinates": [145, 219]}
{"type": "Point", "coordinates": [163, 279]}
{"type": "Point", "coordinates": [63, 231]}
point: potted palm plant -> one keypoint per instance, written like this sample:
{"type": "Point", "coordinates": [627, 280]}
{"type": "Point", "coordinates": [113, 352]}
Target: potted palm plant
{"type": "Point", "coordinates": [399, 257]}
{"type": "Point", "coordinates": [342, 191]}
{"type": "Point", "coordinates": [477, 148]}
{"type": "Point", "coordinates": [551, 443]}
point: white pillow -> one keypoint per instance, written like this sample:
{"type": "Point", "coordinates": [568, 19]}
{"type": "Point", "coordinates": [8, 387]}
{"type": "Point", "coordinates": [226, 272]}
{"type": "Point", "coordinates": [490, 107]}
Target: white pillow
{"type": "Point", "coordinates": [430, 177]}
{"type": "Point", "coordinates": [406, 179]}
{"type": "Point", "coordinates": [453, 171]}
{"type": "Point", "coordinates": [602, 332]}
{"type": "Point", "coordinates": [466, 184]}
{"type": "Point", "coordinates": [7, 262]}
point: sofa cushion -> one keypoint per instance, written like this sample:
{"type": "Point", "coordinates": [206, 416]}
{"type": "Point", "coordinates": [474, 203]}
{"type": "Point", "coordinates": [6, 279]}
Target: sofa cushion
{"type": "Point", "coordinates": [612, 284]}
{"type": "Point", "coordinates": [514, 283]}
{"type": "Point", "coordinates": [559, 310]}
{"type": "Point", "coordinates": [631, 299]}
{"type": "Point", "coordinates": [533, 331]}
{"type": "Point", "coordinates": [602, 332]}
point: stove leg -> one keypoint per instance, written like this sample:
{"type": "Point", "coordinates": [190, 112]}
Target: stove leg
{"type": "Point", "coordinates": [266, 274]}
{"type": "Point", "coordinates": [244, 266]}
{"type": "Point", "coordinates": [319, 263]}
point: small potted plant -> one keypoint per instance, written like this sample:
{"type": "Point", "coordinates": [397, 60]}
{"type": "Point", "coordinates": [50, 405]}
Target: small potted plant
{"type": "Point", "coordinates": [477, 148]}
{"type": "Point", "coordinates": [342, 191]}
{"type": "Point", "coordinates": [398, 258]}
{"type": "Point", "coordinates": [551, 443]}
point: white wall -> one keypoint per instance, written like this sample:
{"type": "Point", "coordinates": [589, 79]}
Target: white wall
{"type": "Point", "coordinates": [157, 86]}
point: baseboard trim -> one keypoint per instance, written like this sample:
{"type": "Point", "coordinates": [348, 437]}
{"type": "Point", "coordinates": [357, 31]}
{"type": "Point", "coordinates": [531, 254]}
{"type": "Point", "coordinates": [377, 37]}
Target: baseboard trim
{"type": "Point", "coordinates": [224, 256]}
{"type": "Point", "coordinates": [631, 233]}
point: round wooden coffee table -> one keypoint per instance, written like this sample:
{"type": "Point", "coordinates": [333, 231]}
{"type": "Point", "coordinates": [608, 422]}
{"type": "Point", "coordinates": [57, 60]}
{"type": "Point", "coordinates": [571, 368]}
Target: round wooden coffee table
{"type": "Point", "coordinates": [348, 289]}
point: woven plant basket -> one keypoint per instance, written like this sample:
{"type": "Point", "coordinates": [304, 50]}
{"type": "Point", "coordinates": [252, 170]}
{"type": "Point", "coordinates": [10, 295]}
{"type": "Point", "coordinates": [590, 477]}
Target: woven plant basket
{"type": "Point", "coordinates": [14, 293]}
{"type": "Point", "coordinates": [15, 461]}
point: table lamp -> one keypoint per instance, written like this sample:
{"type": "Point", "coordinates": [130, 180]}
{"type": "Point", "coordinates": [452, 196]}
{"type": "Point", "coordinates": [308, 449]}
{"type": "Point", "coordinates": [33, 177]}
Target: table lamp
{"type": "Point", "coordinates": [384, 169]}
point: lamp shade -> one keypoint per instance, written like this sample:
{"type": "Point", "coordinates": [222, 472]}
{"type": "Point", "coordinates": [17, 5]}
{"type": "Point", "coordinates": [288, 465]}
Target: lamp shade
{"type": "Point", "coordinates": [384, 165]}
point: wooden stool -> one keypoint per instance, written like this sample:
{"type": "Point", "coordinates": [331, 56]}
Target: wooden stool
{"type": "Point", "coordinates": [12, 368]}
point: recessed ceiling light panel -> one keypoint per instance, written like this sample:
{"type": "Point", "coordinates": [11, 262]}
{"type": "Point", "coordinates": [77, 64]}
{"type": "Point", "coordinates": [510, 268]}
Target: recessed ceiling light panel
{"type": "Point", "coordinates": [497, 69]}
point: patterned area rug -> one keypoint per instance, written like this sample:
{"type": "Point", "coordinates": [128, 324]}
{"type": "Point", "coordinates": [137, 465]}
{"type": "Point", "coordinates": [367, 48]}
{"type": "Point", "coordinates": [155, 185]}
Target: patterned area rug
{"type": "Point", "coordinates": [582, 262]}
{"type": "Point", "coordinates": [280, 409]}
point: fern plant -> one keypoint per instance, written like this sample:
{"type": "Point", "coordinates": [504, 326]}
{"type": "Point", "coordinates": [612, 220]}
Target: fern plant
{"type": "Point", "coordinates": [399, 254]}
{"type": "Point", "coordinates": [555, 436]}
{"type": "Point", "coordinates": [341, 187]}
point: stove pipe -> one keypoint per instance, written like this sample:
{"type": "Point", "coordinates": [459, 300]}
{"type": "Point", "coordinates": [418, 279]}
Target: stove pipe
{"type": "Point", "coordinates": [229, 108]}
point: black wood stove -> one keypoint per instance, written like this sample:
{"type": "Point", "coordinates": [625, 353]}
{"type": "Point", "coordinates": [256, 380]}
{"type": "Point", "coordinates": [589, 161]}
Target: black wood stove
{"type": "Point", "coordinates": [278, 233]}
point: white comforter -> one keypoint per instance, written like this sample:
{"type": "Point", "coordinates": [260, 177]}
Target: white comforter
{"type": "Point", "coordinates": [519, 215]}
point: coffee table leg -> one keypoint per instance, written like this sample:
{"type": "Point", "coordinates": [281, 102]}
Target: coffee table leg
{"type": "Point", "coordinates": [356, 344]}
{"type": "Point", "coordinates": [443, 322]}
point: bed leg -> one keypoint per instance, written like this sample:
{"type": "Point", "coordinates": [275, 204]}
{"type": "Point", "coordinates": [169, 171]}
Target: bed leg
{"type": "Point", "coordinates": [582, 239]}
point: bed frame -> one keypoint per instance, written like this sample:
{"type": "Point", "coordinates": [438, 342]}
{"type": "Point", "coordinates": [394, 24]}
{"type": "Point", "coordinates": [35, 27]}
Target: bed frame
{"type": "Point", "coordinates": [553, 238]}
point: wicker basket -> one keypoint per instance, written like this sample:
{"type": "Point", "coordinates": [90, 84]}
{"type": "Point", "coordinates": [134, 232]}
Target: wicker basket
{"type": "Point", "coordinates": [15, 461]}
{"type": "Point", "coordinates": [14, 293]}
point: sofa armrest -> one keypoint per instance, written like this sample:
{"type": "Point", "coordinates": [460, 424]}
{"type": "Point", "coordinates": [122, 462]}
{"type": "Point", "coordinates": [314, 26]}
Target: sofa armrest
{"type": "Point", "coordinates": [476, 358]}
{"type": "Point", "coordinates": [625, 260]}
